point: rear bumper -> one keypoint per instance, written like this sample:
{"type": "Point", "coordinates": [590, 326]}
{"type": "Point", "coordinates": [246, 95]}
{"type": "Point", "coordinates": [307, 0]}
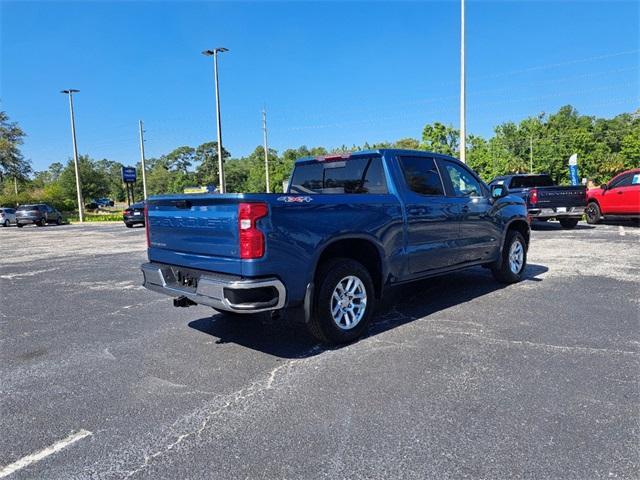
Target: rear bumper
{"type": "Point", "coordinates": [220, 291]}
{"type": "Point", "coordinates": [26, 220]}
{"type": "Point", "coordinates": [575, 212]}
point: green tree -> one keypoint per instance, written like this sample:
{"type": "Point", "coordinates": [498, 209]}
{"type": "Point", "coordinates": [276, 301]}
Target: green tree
{"type": "Point", "coordinates": [440, 138]}
{"type": "Point", "coordinates": [94, 182]}
{"type": "Point", "coordinates": [12, 162]}
{"type": "Point", "coordinates": [206, 156]}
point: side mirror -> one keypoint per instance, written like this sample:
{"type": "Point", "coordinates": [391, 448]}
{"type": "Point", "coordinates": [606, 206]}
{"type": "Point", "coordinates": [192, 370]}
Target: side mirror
{"type": "Point", "coordinates": [499, 191]}
{"type": "Point", "coordinates": [604, 186]}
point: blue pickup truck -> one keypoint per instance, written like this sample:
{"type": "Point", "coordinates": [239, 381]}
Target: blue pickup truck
{"type": "Point", "coordinates": [348, 227]}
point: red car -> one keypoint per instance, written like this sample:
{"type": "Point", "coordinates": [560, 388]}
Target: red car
{"type": "Point", "coordinates": [618, 198]}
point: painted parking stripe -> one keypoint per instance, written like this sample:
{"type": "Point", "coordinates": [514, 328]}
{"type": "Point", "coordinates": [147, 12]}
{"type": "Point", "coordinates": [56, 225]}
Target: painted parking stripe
{"type": "Point", "coordinates": [621, 231]}
{"type": "Point", "coordinates": [36, 457]}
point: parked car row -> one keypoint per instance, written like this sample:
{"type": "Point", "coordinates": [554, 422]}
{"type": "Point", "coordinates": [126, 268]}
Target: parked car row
{"type": "Point", "coordinates": [619, 198]}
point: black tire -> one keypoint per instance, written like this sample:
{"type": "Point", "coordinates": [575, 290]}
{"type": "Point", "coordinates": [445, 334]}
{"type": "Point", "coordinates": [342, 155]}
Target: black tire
{"type": "Point", "coordinates": [568, 223]}
{"type": "Point", "coordinates": [129, 225]}
{"type": "Point", "coordinates": [502, 270]}
{"type": "Point", "coordinates": [330, 274]}
{"type": "Point", "coordinates": [593, 213]}
{"type": "Point", "coordinates": [41, 223]}
{"type": "Point", "coordinates": [19, 225]}
{"type": "Point", "coordinates": [59, 221]}
{"type": "Point", "coordinates": [6, 223]}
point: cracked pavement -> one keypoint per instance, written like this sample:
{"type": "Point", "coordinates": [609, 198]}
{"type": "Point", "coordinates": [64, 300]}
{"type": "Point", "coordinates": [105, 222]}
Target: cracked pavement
{"type": "Point", "coordinates": [459, 377]}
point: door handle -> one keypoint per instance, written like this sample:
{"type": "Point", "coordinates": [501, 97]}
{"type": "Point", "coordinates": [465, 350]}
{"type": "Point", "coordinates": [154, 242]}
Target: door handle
{"type": "Point", "coordinates": [465, 209]}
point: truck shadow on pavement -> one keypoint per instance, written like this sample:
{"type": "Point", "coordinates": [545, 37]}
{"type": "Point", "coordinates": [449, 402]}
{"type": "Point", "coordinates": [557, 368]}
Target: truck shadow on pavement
{"type": "Point", "coordinates": [288, 339]}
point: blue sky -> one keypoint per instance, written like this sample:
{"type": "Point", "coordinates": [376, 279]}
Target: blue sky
{"type": "Point", "coordinates": [330, 73]}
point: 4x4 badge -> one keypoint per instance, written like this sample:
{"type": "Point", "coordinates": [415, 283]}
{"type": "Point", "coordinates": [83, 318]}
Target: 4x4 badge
{"type": "Point", "coordinates": [290, 199]}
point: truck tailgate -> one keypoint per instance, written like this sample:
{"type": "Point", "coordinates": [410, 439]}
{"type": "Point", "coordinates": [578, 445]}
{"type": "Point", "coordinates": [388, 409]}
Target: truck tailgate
{"type": "Point", "coordinates": [199, 231]}
{"type": "Point", "coordinates": [571, 196]}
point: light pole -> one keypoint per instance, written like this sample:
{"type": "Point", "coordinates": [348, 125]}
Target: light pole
{"type": "Point", "coordinates": [266, 148]}
{"type": "Point", "coordinates": [214, 53]}
{"type": "Point", "coordinates": [70, 93]}
{"type": "Point", "coordinates": [144, 177]}
{"type": "Point", "coordinates": [463, 99]}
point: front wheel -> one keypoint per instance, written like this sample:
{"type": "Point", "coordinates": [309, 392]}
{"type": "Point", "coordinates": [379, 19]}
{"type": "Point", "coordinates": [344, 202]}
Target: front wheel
{"type": "Point", "coordinates": [593, 213]}
{"type": "Point", "coordinates": [344, 303]}
{"type": "Point", "coordinates": [42, 223]}
{"type": "Point", "coordinates": [6, 223]}
{"type": "Point", "coordinates": [510, 267]}
{"type": "Point", "coordinates": [59, 221]}
{"type": "Point", "coordinates": [568, 223]}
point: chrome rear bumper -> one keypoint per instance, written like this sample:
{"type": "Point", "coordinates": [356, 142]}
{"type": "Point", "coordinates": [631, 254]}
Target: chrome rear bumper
{"type": "Point", "coordinates": [220, 291]}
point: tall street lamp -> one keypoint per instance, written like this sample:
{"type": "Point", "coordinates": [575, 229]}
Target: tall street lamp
{"type": "Point", "coordinates": [214, 53]}
{"type": "Point", "coordinates": [70, 93]}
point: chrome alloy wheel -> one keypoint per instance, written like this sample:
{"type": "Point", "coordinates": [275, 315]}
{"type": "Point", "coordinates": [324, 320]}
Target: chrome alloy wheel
{"type": "Point", "coordinates": [516, 257]}
{"type": "Point", "coordinates": [348, 302]}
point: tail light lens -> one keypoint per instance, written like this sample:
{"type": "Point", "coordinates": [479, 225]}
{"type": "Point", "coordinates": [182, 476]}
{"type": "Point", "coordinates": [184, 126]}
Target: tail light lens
{"type": "Point", "coordinates": [251, 238]}
{"type": "Point", "coordinates": [533, 196]}
{"type": "Point", "coordinates": [146, 224]}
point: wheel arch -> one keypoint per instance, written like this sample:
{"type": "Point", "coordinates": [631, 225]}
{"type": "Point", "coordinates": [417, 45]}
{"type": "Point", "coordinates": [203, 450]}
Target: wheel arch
{"type": "Point", "coordinates": [362, 248]}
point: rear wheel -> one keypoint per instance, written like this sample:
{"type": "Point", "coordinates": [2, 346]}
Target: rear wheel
{"type": "Point", "coordinates": [593, 213]}
{"type": "Point", "coordinates": [59, 221]}
{"type": "Point", "coordinates": [6, 223]}
{"type": "Point", "coordinates": [513, 260]}
{"type": "Point", "coordinates": [42, 222]}
{"type": "Point", "coordinates": [568, 223]}
{"type": "Point", "coordinates": [19, 225]}
{"type": "Point", "coordinates": [344, 302]}
{"type": "Point", "coordinates": [128, 225]}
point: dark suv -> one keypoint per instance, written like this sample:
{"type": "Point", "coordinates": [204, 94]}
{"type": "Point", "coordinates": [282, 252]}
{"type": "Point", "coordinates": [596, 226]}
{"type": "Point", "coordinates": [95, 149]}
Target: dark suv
{"type": "Point", "coordinates": [39, 214]}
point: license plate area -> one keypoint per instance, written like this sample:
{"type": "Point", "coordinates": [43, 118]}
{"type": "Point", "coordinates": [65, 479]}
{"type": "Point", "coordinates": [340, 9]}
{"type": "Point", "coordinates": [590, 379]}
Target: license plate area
{"type": "Point", "coordinates": [561, 210]}
{"type": "Point", "coordinates": [185, 280]}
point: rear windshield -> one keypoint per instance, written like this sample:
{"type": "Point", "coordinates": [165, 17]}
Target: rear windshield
{"type": "Point", "coordinates": [358, 175]}
{"type": "Point", "coordinates": [531, 181]}
{"type": "Point", "coordinates": [23, 208]}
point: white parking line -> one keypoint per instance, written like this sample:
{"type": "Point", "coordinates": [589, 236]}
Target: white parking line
{"type": "Point", "coordinates": [36, 457]}
{"type": "Point", "coordinates": [621, 231]}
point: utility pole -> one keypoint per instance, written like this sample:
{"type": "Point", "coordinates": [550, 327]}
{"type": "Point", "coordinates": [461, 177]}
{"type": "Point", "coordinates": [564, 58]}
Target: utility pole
{"type": "Point", "coordinates": [463, 99]}
{"type": "Point", "coordinates": [144, 177]}
{"type": "Point", "coordinates": [266, 148]}
{"type": "Point", "coordinates": [70, 92]}
{"type": "Point", "coordinates": [531, 153]}
{"type": "Point", "coordinates": [15, 185]}
{"type": "Point", "coordinates": [214, 54]}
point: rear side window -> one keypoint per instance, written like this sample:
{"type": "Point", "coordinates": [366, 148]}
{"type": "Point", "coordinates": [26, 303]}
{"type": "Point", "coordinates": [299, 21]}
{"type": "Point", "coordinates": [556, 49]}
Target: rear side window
{"type": "Point", "coordinates": [358, 175]}
{"type": "Point", "coordinates": [421, 175]}
{"type": "Point", "coordinates": [531, 181]}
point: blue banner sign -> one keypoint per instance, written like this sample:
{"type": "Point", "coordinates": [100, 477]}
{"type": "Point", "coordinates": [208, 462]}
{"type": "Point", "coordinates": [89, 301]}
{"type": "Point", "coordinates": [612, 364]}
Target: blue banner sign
{"type": "Point", "coordinates": [573, 169]}
{"type": "Point", "coordinates": [129, 174]}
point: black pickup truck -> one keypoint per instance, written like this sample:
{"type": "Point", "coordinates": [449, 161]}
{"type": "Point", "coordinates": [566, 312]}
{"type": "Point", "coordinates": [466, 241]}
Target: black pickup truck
{"type": "Point", "coordinates": [545, 200]}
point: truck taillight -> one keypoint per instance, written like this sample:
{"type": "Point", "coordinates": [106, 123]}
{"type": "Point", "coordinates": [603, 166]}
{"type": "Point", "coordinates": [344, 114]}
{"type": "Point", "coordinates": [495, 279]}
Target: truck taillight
{"type": "Point", "coordinates": [146, 224]}
{"type": "Point", "coordinates": [533, 196]}
{"type": "Point", "coordinates": [251, 238]}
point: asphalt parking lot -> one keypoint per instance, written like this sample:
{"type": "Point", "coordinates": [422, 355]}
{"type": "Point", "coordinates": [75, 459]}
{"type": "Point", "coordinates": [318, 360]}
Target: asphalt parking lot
{"type": "Point", "coordinates": [458, 378]}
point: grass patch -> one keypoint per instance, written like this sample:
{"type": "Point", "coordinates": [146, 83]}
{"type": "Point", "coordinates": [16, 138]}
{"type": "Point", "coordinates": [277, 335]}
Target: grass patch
{"type": "Point", "coordinates": [93, 217]}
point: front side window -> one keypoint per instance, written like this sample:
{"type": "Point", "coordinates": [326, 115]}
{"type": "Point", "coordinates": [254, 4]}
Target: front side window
{"type": "Point", "coordinates": [421, 175]}
{"type": "Point", "coordinates": [623, 181]}
{"type": "Point", "coordinates": [357, 175]}
{"type": "Point", "coordinates": [464, 184]}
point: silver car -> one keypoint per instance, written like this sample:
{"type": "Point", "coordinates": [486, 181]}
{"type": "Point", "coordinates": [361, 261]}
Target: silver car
{"type": "Point", "coordinates": [7, 216]}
